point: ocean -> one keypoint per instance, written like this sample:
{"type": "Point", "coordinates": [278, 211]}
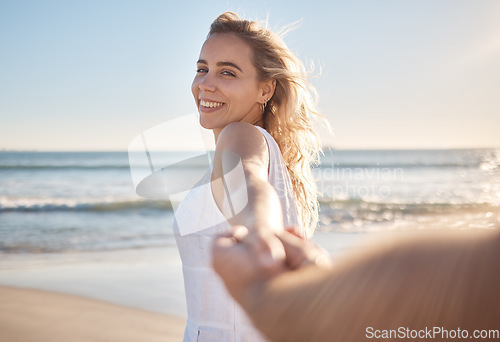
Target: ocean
{"type": "Point", "coordinates": [86, 201]}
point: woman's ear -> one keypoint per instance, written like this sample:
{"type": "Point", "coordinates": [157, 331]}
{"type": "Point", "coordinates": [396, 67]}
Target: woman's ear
{"type": "Point", "coordinates": [268, 88]}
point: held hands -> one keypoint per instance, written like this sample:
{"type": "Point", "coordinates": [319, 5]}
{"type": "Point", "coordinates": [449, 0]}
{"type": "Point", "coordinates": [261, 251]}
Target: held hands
{"type": "Point", "coordinates": [246, 260]}
{"type": "Point", "coordinates": [300, 252]}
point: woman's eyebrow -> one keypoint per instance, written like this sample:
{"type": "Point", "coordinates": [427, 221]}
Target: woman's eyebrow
{"type": "Point", "coordinates": [231, 64]}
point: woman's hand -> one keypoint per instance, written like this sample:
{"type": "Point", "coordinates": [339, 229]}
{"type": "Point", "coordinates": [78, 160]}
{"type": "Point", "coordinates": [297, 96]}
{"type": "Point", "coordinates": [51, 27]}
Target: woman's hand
{"type": "Point", "coordinates": [246, 259]}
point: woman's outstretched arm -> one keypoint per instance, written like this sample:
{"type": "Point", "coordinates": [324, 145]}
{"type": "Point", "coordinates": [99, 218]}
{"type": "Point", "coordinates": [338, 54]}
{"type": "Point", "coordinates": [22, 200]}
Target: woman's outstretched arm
{"type": "Point", "coordinates": [242, 192]}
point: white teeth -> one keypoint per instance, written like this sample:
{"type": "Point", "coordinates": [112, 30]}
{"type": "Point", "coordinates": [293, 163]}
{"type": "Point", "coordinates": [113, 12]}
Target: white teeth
{"type": "Point", "coordinates": [210, 104]}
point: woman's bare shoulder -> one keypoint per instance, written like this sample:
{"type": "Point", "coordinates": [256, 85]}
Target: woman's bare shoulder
{"type": "Point", "coordinates": [243, 138]}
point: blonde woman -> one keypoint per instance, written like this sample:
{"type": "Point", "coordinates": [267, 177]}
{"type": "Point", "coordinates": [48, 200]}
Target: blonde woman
{"type": "Point", "coordinates": [252, 92]}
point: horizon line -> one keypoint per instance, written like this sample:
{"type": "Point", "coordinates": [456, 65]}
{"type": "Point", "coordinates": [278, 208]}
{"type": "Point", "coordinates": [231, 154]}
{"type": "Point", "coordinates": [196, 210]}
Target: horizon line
{"type": "Point", "coordinates": [325, 148]}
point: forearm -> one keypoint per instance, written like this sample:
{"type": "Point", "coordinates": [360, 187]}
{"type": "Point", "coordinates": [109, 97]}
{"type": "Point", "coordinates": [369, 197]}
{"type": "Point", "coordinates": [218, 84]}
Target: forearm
{"type": "Point", "coordinates": [262, 212]}
{"type": "Point", "coordinates": [291, 307]}
{"type": "Point", "coordinates": [448, 283]}
{"type": "Point", "coordinates": [244, 195]}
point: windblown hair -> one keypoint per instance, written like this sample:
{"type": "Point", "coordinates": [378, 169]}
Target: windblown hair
{"type": "Point", "coordinates": [289, 114]}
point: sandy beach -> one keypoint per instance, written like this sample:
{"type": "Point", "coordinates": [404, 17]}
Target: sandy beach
{"type": "Point", "coordinates": [128, 295]}
{"type": "Point", "coordinates": [34, 315]}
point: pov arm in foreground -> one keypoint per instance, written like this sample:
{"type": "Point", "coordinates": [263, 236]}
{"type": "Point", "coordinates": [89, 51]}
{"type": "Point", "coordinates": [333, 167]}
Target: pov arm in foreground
{"type": "Point", "coordinates": [449, 281]}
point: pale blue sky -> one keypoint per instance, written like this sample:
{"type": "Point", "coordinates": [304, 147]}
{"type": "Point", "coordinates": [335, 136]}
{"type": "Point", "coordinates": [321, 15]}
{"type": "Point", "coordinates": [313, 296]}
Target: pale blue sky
{"type": "Point", "coordinates": [91, 75]}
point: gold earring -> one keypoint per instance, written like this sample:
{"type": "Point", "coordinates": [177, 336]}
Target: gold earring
{"type": "Point", "coordinates": [264, 105]}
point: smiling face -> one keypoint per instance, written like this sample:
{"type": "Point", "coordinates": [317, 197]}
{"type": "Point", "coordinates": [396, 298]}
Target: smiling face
{"type": "Point", "coordinates": [227, 87]}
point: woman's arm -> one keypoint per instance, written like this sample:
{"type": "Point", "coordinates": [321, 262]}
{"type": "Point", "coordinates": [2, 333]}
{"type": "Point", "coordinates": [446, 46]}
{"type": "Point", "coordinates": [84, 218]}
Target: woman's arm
{"type": "Point", "coordinates": [241, 189]}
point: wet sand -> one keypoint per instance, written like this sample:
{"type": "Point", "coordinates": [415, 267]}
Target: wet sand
{"type": "Point", "coordinates": [32, 315]}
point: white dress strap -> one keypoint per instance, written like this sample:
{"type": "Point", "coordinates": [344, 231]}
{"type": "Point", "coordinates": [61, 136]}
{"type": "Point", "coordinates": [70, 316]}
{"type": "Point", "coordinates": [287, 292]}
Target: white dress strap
{"type": "Point", "coordinates": [280, 179]}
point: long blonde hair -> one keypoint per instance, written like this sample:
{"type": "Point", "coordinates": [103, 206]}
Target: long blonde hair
{"type": "Point", "coordinates": [288, 114]}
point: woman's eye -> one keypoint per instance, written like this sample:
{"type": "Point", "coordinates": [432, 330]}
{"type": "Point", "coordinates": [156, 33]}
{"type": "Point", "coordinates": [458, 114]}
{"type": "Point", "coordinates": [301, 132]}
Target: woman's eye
{"type": "Point", "coordinates": [228, 73]}
{"type": "Point", "coordinates": [200, 70]}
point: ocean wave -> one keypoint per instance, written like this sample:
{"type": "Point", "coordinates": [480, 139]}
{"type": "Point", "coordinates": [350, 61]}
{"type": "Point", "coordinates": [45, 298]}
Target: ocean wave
{"type": "Point", "coordinates": [362, 215]}
{"type": "Point", "coordinates": [58, 205]}
{"type": "Point", "coordinates": [409, 206]}
{"type": "Point", "coordinates": [485, 159]}
{"type": "Point", "coordinates": [396, 165]}
{"type": "Point", "coordinates": [96, 167]}
{"type": "Point", "coordinates": [98, 160]}
{"type": "Point", "coordinates": [58, 167]}
{"type": "Point", "coordinates": [323, 166]}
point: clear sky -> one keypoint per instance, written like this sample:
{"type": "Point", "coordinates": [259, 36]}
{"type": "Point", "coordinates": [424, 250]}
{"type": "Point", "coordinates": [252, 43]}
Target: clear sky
{"type": "Point", "coordinates": [91, 75]}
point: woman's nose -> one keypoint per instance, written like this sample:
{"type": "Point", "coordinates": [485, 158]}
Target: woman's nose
{"type": "Point", "coordinates": [207, 83]}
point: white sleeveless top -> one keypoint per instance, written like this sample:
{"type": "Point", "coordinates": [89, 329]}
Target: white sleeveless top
{"type": "Point", "coordinates": [212, 313]}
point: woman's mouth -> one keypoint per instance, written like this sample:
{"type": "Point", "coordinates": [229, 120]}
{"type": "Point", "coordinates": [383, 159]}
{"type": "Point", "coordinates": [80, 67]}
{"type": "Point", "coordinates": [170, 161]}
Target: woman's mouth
{"type": "Point", "coordinates": [210, 104]}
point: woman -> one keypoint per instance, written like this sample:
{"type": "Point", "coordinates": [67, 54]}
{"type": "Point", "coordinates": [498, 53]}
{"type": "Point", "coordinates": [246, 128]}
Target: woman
{"type": "Point", "coordinates": [251, 91]}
